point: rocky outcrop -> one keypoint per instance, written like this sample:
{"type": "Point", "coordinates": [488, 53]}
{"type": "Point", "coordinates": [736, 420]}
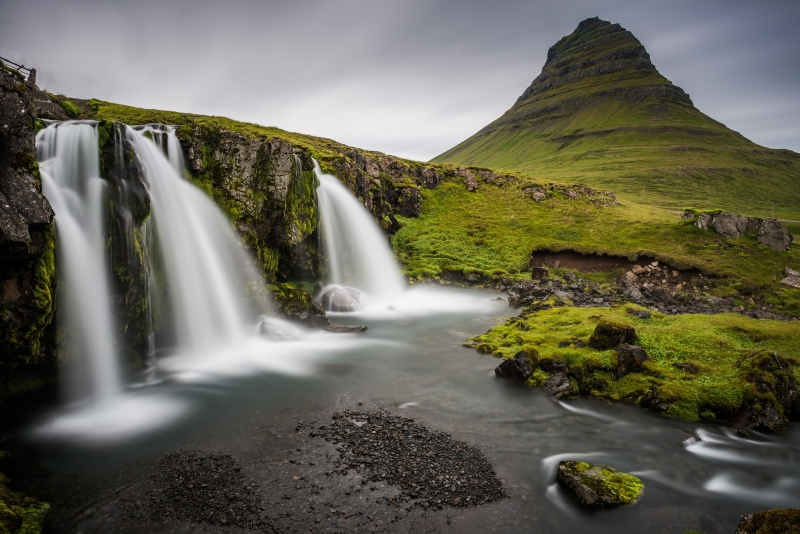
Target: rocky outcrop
{"type": "Point", "coordinates": [608, 334]}
{"type": "Point", "coordinates": [769, 232]}
{"type": "Point", "coordinates": [598, 486]}
{"type": "Point", "coordinates": [520, 367]}
{"type": "Point", "coordinates": [630, 359]}
{"type": "Point", "coordinates": [296, 304]}
{"type": "Point", "coordinates": [27, 239]}
{"type": "Point", "coordinates": [539, 193]}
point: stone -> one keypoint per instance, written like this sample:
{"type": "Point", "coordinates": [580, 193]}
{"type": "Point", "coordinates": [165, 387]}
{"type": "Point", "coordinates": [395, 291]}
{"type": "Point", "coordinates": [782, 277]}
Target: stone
{"type": "Point", "coordinates": [558, 386]}
{"type": "Point", "coordinates": [774, 235]}
{"type": "Point", "coordinates": [641, 314]}
{"type": "Point", "coordinates": [791, 272]}
{"type": "Point", "coordinates": [629, 359]}
{"type": "Point", "coordinates": [340, 299]}
{"type": "Point", "coordinates": [702, 221]}
{"type": "Point", "coordinates": [537, 273]}
{"type": "Point", "coordinates": [609, 333]}
{"type": "Point", "coordinates": [344, 329]}
{"type": "Point", "coordinates": [519, 368]}
{"type": "Point", "coordinates": [637, 269]}
{"type": "Point", "coordinates": [731, 225]}
{"type": "Point", "coordinates": [653, 401]}
{"type": "Point", "coordinates": [629, 278]}
{"type": "Point", "coordinates": [791, 281]}
{"type": "Point", "coordinates": [598, 486]}
{"type": "Point", "coordinates": [769, 419]}
{"type": "Point", "coordinates": [276, 329]}
{"type": "Point", "coordinates": [471, 182]}
{"type": "Point", "coordinates": [552, 365]}
{"type": "Point", "coordinates": [775, 521]}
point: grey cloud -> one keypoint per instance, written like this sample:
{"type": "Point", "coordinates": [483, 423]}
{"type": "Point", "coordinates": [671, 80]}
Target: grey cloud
{"type": "Point", "coordinates": [412, 78]}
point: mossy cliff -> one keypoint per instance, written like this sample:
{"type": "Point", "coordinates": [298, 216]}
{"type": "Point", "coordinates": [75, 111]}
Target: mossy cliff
{"type": "Point", "coordinates": [27, 243]}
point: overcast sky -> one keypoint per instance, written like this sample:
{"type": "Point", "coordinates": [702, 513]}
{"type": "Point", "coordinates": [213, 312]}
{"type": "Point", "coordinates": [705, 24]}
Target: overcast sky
{"type": "Point", "coordinates": [405, 77]}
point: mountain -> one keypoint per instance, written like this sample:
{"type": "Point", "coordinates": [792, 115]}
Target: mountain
{"type": "Point", "coordinates": [601, 113]}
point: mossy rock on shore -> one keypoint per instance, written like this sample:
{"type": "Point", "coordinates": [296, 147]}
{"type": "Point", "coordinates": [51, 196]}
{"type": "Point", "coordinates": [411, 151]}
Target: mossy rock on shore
{"type": "Point", "coordinates": [609, 333]}
{"type": "Point", "coordinates": [776, 521]}
{"type": "Point", "coordinates": [297, 304]}
{"type": "Point", "coordinates": [599, 486]}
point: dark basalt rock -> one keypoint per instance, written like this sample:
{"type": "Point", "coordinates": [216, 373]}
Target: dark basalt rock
{"type": "Point", "coordinates": [597, 485]}
{"type": "Point", "coordinates": [653, 401]}
{"type": "Point", "coordinates": [775, 521]}
{"type": "Point", "coordinates": [608, 334]}
{"type": "Point", "coordinates": [641, 314]}
{"type": "Point", "coordinates": [558, 386]}
{"type": "Point", "coordinates": [630, 359]}
{"type": "Point", "coordinates": [518, 368]}
{"type": "Point", "coordinates": [552, 365]}
{"type": "Point", "coordinates": [297, 305]}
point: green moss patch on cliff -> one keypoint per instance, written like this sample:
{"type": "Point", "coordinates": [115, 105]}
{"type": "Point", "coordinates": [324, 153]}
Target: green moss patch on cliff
{"type": "Point", "coordinates": [702, 365]}
{"type": "Point", "coordinates": [19, 513]}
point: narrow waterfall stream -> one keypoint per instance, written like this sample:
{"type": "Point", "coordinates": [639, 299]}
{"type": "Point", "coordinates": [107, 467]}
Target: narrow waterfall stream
{"type": "Point", "coordinates": [70, 169]}
{"type": "Point", "coordinates": [359, 256]}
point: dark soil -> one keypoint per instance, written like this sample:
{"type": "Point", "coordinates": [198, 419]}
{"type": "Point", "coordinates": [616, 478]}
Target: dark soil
{"type": "Point", "coordinates": [430, 468]}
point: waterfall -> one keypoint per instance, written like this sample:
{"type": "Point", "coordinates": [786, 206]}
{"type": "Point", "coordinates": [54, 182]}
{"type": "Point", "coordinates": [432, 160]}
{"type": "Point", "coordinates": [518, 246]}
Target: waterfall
{"type": "Point", "coordinates": [70, 169]}
{"type": "Point", "coordinates": [358, 252]}
{"type": "Point", "coordinates": [207, 269]}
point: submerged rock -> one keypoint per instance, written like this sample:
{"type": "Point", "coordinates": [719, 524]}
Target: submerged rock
{"type": "Point", "coordinates": [608, 334]}
{"type": "Point", "coordinates": [597, 485]}
{"type": "Point", "coordinates": [340, 299]}
{"type": "Point", "coordinates": [344, 329]}
{"type": "Point", "coordinates": [776, 521]}
{"type": "Point", "coordinates": [276, 329]}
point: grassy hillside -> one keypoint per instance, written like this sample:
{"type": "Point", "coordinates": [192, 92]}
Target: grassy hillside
{"type": "Point", "coordinates": [600, 113]}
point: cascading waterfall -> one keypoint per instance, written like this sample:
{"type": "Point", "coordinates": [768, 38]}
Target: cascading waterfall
{"type": "Point", "coordinates": [206, 267]}
{"type": "Point", "coordinates": [70, 169]}
{"type": "Point", "coordinates": [358, 253]}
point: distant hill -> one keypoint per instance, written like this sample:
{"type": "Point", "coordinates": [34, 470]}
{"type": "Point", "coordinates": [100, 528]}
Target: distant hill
{"type": "Point", "coordinates": [600, 113]}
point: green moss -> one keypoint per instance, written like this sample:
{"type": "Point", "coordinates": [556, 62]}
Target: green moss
{"type": "Point", "coordinates": [69, 108]}
{"type": "Point", "coordinates": [730, 353]}
{"type": "Point", "coordinates": [776, 521]}
{"type": "Point", "coordinates": [613, 487]}
{"type": "Point", "coordinates": [19, 513]}
{"type": "Point", "coordinates": [611, 332]}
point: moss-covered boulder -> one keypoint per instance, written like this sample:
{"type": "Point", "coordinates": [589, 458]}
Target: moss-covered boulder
{"type": "Point", "coordinates": [597, 485]}
{"type": "Point", "coordinates": [774, 396]}
{"type": "Point", "coordinates": [297, 304]}
{"type": "Point", "coordinates": [777, 521]}
{"type": "Point", "coordinates": [609, 333]}
{"type": "Point", "coordinates": [520, 367]}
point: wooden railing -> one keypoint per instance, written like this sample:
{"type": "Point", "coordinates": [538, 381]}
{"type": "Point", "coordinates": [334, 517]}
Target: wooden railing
{"type": "Point", "coordinates": [30, 74]}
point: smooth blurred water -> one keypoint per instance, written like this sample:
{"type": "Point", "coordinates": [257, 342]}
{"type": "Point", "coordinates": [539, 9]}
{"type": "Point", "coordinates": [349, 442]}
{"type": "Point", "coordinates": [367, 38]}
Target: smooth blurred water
{"type": "Point", "coordinates": [411, 360]}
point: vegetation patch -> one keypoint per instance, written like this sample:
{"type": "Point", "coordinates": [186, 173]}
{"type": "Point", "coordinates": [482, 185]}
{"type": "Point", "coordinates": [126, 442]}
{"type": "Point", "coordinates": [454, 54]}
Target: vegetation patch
{"type": "Point", "coordinates": [700, 366]}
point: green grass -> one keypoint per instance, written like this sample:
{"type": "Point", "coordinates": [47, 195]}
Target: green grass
{"type": "Point", "coordinates": [649, 146]}
{"type": "Point", "coordinates": [492, 232]}
{"type": "Point", "coordinates": [723, 347]}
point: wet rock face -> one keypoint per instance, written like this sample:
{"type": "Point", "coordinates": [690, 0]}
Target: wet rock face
{"type": "Point", "coordinates": [558, 386]}
{"type": "Point", "coordinates": [24, 212]}
{"type": "Point", "coordinates": [598, 486]}
{"type": "Point", "coordinates": [608, 334]}
{"type": "Point", "coordinates": [776, 521]}
{"type": "Point", "coordinates": [27, 239]}
{"type": "Point", "coordinates": [777, 391]}
{"type": "Point", "coordinates": [430, 468]}
{"type": "Point", "coordinates": [296, 304]}
{"type": "Point", "coordinates": [732, 225]}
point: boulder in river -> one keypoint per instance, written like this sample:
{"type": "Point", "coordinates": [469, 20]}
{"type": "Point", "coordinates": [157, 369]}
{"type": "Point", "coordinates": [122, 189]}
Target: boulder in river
{"type": "Point", "coordinates": [597, 485]}
{"type": "Point", "coordinates": [558, 386]}
{"type": "Point", "coordinates": [776, 521]}
{"type": "Point", "coordinates": [520, 367]}
{"type": "Point", "coordinates": [609, 333]}
{"type": "Point", "coordinates": [340, 298]}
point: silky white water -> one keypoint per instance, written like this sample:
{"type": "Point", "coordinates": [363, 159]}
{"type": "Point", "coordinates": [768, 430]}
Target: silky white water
{"type": "Point", "coordinates": [358, 253]}
{"type": "Point", "coordinates": [207, 269]}
{"type": "Point", "coordinates": [70, 169]}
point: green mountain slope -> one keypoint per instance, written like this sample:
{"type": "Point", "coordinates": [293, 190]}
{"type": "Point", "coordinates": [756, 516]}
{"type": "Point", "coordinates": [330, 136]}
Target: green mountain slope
{"type": "Point", "coordinates": [600, 113]}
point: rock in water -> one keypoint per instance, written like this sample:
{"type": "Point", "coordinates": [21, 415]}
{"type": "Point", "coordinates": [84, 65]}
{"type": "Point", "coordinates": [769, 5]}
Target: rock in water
{"type": "Point", "coordinates": [608, 334]}
{"type": "Point", "coordinates": [783, 521]}
{"type": "Point", "coordinates": [518, 368]}
{"type": "Point", "coordinates": [558, 385]}
{"type": "Point", "coordinates": [344, 329]}
{"type": "Point", "coordinates": [597, 485]}
{"type": "Point", "coordinates": [340, 299]}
